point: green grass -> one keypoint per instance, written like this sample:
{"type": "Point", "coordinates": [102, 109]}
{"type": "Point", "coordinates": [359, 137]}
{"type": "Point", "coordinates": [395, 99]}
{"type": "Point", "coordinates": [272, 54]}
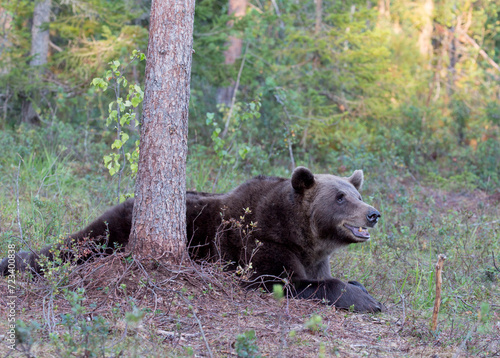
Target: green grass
{"type": "Point", "coordinates": [399, 263]}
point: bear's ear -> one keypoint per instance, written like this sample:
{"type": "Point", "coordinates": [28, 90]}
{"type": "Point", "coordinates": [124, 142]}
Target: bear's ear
{"type": "Point", "coordinates": [302, 178]}
{"type": "Point", "coordinates": [356, 179]}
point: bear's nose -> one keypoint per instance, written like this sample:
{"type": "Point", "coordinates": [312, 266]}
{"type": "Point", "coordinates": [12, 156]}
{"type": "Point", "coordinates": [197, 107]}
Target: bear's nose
{"type": "Point", "coordinates": [373, 216]}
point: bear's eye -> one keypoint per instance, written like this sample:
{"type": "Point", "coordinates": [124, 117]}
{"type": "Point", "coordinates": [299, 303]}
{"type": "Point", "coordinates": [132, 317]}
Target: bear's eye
{"type": "Point", "coordinates": [340, 198]}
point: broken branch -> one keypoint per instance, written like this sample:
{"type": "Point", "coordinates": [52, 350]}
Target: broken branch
{"type": "Point", "coordinates": [439, 281]}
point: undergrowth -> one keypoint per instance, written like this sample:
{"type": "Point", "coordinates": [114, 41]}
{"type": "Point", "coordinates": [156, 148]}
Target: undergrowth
{"type": "Point", "coordinates": [51, 187]}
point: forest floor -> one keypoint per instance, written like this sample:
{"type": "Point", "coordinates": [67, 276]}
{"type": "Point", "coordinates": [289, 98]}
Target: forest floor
{"type": "Point", "coordinates": [199, 310]}
{"type": "Point", "coordinates": [194, 312]}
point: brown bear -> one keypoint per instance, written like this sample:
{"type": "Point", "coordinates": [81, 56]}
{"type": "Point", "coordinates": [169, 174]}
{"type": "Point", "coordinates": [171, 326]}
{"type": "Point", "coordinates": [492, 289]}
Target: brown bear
{"type": "Point", "coordinates": [286, 228]}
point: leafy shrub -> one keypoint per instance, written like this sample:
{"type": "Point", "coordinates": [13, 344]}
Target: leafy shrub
{"type": "Point", "coordinates": [246, 346]}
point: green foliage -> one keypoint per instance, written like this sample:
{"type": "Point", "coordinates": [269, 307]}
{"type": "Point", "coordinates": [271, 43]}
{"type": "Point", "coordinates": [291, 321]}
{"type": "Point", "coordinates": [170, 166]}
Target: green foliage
{"type": "Point", "coordinates": [122, 115]}
{"type": "Point", "coordinates": [81, 336]}
{"type": "Point", "coordinates": [315, 323]}
{"type": "Point", "coordinates": [235, 144]}
{"type": "Point", "coordinates": [357, 83]}
{"type": "Point", "coordinates": [246, 345]}
{"type": "Point", "coordinates": [26, 335]}
{"type": "Point", "coordinates": [278, 292]}
{"type": "Point", "coordinates": [84, 37]}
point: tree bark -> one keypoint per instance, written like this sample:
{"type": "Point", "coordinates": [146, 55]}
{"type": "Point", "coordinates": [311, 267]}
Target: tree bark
{"type": "Point", "coordinates": [39, 53]}
{"type": "Point", "coordinates": [319, 16]}
{"type": "Point", "coordinates": [5, 27]}
{"type": "Point", "coordinates": [452, 54]}
{"type": "Point", "coordinates": [39, 35]}
{"type": "Point", "coordinates": [159, 215]}
{"type": "Point", "coordinates": [237, 8]}
{"type": "Point", "coordinates": [425, 36]}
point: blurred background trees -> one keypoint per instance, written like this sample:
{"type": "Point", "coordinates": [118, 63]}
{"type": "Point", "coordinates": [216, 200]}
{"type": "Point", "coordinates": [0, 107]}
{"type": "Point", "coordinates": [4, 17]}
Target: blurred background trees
{"type": "Point", "coordinates": [381, 85]}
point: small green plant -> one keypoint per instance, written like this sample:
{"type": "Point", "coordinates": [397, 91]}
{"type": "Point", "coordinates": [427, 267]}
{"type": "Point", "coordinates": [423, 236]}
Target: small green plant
{"type": "Point", "coordinates": [322, 350]}
{"type": "Point", "coordinates": [135, 317]}
{"type": "Point", "coordinates": [278, 292]}
{"type": "Point", "coordinates": [484, 317]}
{"type": "Point", "coordinates": [122, 113]}
{"type": "Point", "coordinates": [81, 337]}
{"type": "Point", "coordinates": [246, 346]}
{"type": "Point", "coordinates": [315, 323]}
{"type": "Point", "coordinates": [25, 336]}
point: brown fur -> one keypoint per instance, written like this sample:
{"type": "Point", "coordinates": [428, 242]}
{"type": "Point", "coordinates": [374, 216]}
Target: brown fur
{"type": "Point", "coordinates": [299, 223]}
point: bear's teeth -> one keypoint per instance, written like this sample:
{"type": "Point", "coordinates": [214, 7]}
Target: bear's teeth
{"type": "Point", "coordinates": [360, 229]}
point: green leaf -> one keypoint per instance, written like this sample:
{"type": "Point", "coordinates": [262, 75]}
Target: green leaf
{"type": "Point", "coordinates": [210, 118]}
{"type": "Point", "coordinates": [117, 144]}
{"type": "Point", "coordinates": [243, 152]}
{"type": "Point", "coordinates": [278, 292]}
{"type": "Point", "coordinates": [125, 137]}
{"type": "Point", "coordinates": [113, 115]}
{"type": "Point", "coordinates": [136, 101]}
{"type": "Point", "coordinates": [125, 119]}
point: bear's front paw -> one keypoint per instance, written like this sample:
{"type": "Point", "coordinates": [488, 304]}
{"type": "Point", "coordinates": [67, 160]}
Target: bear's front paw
{"type": "Point", "coordinates": [354, 296]}
{"type": "Point", "coordinates": [357, 284]}
{"type": "Point", "coordinates": [362, 300]}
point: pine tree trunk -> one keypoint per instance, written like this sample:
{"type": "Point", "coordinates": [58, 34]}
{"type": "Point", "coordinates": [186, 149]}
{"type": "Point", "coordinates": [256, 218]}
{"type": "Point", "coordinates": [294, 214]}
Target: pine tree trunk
{"type": "Point", "coordinates": [319, 16]}
{"type": "Point", "coordinates": [237, 8]}
{"type": "Point", "coordinates": [159, 216]}
{"type": "Point", "coordinates": [39, 53]}
{"type": "Point", "coordinates": [425, 36]}
{"type": "Point", "coordinates": [39, 33]}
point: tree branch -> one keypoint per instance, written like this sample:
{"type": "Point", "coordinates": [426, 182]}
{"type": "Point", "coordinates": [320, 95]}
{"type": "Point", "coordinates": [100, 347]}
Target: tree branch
{"type": "Point", "coordinates": [470, 40]}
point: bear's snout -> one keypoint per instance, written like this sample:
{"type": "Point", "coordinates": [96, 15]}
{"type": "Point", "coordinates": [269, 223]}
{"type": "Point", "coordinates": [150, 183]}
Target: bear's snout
{"type": "Point", "coordinates": [373, 216]}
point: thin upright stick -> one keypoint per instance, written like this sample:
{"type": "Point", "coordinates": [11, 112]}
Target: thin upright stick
{"type": "Point", "coordinates": [233, 99]}
{"type": "Point", "coordinates": [17, 200]}
{"type": "Point", "coordinates": [439, 281]}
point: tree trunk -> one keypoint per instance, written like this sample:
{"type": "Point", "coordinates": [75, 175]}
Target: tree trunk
{"type": "Point", "coordinates": [237, 8]}
{"type": "Point", "coordinates": [159, 216]}
{"type": "Point", "coordinates": [452, 55]}
{"type": "Point", "coordinates": [319, 16]}
{"type": "Point", "coordinates": [425, 36]}
{"type": "Point", "coordinates": [39, 53]}
{"type": "Point", "coordinates": [39, 34]}
{"type": "Point", "coordinates": [384, 11]}
{"type": "Point", "coordinates": [5, 27]}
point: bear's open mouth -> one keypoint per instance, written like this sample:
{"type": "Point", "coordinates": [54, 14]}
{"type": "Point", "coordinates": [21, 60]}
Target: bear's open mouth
{"type": "Point", "coordinates": [359, 231]}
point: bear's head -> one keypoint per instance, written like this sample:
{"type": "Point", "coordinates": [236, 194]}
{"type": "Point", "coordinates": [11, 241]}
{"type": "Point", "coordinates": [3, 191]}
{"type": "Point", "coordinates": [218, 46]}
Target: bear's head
{"type": "Point", "coordinates": [336, 211]}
